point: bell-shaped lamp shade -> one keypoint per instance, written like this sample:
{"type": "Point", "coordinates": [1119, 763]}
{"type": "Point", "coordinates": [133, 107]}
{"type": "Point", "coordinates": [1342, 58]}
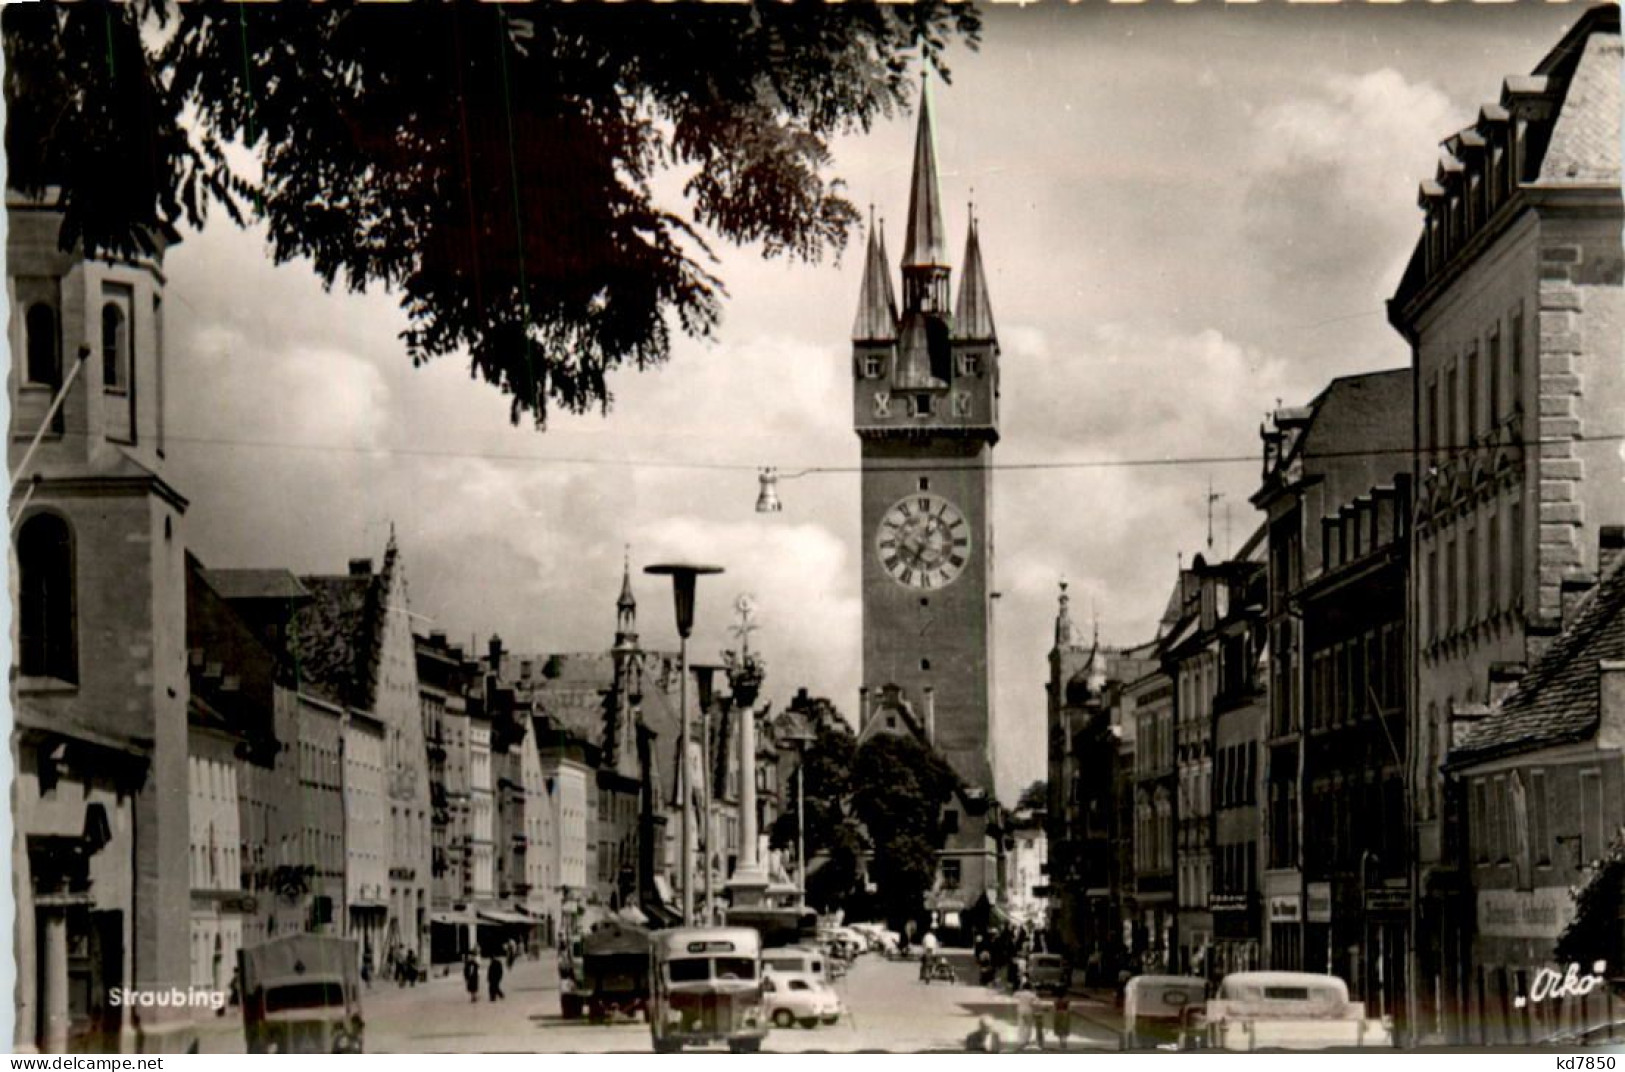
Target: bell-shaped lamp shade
{"type": "Point", "coordinates": [767, 499]}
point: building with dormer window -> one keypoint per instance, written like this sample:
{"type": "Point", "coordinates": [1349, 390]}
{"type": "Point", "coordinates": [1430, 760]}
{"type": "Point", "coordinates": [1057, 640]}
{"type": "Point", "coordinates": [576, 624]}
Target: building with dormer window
{"type": "Point", "coordinates": [1514, 309]}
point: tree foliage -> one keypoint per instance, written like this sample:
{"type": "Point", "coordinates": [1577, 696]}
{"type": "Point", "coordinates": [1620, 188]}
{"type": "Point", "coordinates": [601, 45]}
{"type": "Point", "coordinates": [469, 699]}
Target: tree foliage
{"type": "Point", "coordinates": [1035, 796]}
{"type": "Point", "coordinates": [898, 790]}
{"type": "Point", "coordinates": [497, 169]}
{"type": "Point", "coordinates": [1597, 930]}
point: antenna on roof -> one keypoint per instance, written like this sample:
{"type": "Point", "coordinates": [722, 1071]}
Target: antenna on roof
{"type": "Point", "coordinates": [1212, 497]}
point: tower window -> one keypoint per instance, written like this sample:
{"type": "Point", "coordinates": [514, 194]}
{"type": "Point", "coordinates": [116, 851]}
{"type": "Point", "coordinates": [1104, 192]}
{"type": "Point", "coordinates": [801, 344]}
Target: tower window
{"type": "Point", "coordinates": [44, 352]}
{"type": "Point", "coordinates": [115, 347]}
{"type": "Point", "coordinates": [922, 405]}
{"type": "Point", "coordinates": [925, 483]}
{"type": "Point", "coordinates": [46, 625]}
{"type": "Point", "coordinates": [925, 664]}
{"type": "Point", "coordinates": [872, 366]}
{"type": "Point", "coordinates": [970, 365]}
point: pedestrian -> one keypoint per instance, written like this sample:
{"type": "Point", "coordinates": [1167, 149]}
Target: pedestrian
{"type": "Point", "coordinates": [411, 967]}
{"type": "Point", "coordinates": [471, 977]}
{"type": "Point", "coordinates": [1025, 1014]}
{"type": "Point", "coordinates": [493, 976]}
{"type": "Point", "coordinates": [366, 965]}
{"type": "Point", "coordinates": [1063, 1020]}
{"type": "Point", "coordinates": [984, 1039]}
{"type": "Point", "coordinates": [513, 952]}
{"type": "Point", "coordinates": [392, 966]}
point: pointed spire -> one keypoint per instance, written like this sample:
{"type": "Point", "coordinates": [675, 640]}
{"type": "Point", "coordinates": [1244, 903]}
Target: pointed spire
{"type": "Point", "coordinates": [926, 242]}
{"type": "Point", "coordinates": [626, 609]}
{"type": "Point", "coordinates": [877, 303]}
{"type": "Point", "coordinates": [627, 601]}
{"type": "Point", "coordinates": [973, 313]}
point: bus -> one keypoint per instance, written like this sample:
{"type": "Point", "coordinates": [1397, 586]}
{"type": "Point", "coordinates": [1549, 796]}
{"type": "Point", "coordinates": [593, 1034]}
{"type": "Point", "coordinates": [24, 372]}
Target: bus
{"type": "Point", "coordinates": [706, 987]}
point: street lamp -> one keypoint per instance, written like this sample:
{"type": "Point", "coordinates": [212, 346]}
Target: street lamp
{"type": "Point", "coordinates": [704, 676]}
{"type": "Point", "coordinates": [683, 577]}
{"type": "Point", "coordinates": [801, 738]}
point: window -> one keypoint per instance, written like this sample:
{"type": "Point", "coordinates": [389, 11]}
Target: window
{"type": "Point", "coordinates": [1434, 603]}
{"type": "Point", "coordinates": [1515, 539]}
{"type": "Point", "coordinates": [922, 405]}
{"type": "Point", "coordinates": [1591, 811]}
{"type": "Point", "coordinates": [43, 349]}
{"type": "Point", "coordinates": [872, 366]}
{"type": "Point", "coordinates": [1450, 412]}
{"type": "Point", "coordinates": [950, 874]}
{"type": "Point", "coordinates": [1515, 379]}
{"type": "Point", "coordinates": [1494, 356]}
{"type": "Point", "coordinates": [1470, 601]}
{"type": "Point", "coordinates": [115, 347]}
{"type": "Point", "coordinates": [1540, 832]}
{"type": "Point", "coordinates": [1433, 419]}
{"type": "Point", "coordinates": [969, 365]}
{"type": "Point", "coordinates": [1492, 563]}
{"type": "Point", "coordinates": [1451, 580]}
{"type": "Point", "coordinates": [925, 485]}
{"type": "Point", "coordinates": [47, 646]}
{"type": "Point", "coordinates": [1472, 395]}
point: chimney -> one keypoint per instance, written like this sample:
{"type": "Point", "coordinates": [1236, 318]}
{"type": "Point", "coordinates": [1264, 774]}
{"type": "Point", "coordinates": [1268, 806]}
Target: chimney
{"type": "Point", "coordinates": [361, 567]}
{"type": "Point", "coordinates": [1610, 546]}
{"type": "Point", "coordinates": [930, 715]}
{"type": "Point", "coordinates": [1572, 591]}
{"type": "Point", "coordinates": [863, 707]}
{"type": "Point", "coordinates": [524, 669]}
{"type": "Point", "coordinates": [1611, 703]}
{"type": "Point", "coordinates": [437, 637]}
{"type": "Point", "coordinates": [495, 650]}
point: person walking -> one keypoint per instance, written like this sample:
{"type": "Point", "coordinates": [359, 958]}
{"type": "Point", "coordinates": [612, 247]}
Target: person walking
{"type": "Point", "coordinates": [493, 976]}
{"type": "Point", "coordinates": [471, 977]}
{"type": "Point", "coordinates": [1063, 1020]}
{"type": "Point", "coordinates": [366, 965]}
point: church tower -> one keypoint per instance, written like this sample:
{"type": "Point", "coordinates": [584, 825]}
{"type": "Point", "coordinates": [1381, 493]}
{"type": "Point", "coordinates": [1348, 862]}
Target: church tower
{"type": "Point", "coordinates": [925, 407]}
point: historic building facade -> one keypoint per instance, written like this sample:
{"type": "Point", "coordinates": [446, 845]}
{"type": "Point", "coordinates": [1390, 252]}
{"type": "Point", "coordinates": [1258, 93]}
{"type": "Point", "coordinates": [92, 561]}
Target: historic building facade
{"type": "Point", "coordinates": [1514, 310]}
{"type": "Point", "coordinates": [925, 408]}
{"type": "Point", "coordinates": [100, 684]}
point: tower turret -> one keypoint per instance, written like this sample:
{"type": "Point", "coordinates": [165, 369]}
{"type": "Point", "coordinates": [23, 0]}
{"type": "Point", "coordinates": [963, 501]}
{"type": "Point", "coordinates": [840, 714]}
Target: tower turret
{"type": "Point", "coordinates": [626, 610]}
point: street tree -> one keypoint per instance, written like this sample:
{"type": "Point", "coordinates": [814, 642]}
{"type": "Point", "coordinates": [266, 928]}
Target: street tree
{"type": "Point", "coordinates": [832, 833]}
{"type": "Point", "coordinates": [1596, 931]}
{"type": "Point", "coordinates": [898, 789]}
{"type": "Point", "coordinates": [542, 187]}
{"type": "Point", "coordinates": [1034, 796]}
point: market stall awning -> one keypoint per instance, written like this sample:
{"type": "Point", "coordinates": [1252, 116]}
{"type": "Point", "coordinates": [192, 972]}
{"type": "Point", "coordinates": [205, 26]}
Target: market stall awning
{"type": "Point", "coordinates": [504, 919]}
{"type": "Point", "coordinates": [450, 919]}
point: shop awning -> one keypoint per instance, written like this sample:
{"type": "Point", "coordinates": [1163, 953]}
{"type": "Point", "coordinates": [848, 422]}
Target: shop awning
{"type": "Point", "coordinates": [450, 919]}
{"type": "Point", "coordinates": [504, 919]}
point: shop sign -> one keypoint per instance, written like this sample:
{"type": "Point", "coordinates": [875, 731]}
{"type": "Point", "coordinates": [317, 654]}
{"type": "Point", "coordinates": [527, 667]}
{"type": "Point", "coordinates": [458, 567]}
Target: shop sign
{"type": "Point", "coordinates": [1539, 913]}
{"type": "Point", "coordinates": [1388, 899]}
{"type": "Point", "coordinates": [1227, 902]}
{"type": "Point", "coordinates": [1286, 908]}
{"type": "Point", "coordinates": [1320, 902]}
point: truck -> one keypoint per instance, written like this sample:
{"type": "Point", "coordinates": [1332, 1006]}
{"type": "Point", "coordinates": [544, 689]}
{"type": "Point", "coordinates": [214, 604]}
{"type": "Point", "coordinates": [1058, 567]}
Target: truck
{"type": "Point", "coordinates": [1273, 1010]}
{"type": "Point", "coordinates": [606, 972]}
{"type": "Point", "coordinates": [302, 994]}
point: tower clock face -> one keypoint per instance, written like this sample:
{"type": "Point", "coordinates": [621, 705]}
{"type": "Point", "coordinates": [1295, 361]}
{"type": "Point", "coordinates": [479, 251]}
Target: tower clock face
{"type": "Point", "coordinates": [923, 541]}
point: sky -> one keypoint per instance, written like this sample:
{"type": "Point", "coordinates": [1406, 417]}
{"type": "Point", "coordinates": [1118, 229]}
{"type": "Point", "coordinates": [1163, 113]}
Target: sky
{"type": "Point", "coordinates": [1186, 214]}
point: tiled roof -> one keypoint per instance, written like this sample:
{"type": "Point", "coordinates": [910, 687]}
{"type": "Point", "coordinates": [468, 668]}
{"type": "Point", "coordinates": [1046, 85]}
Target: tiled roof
{"type": "Point", "coordinates": [255, 584]}
{"type": "Point", "coordinates": [926, 242]}
{"type": "Point", "coordinates": [973, 313]}
{"type": "Point", "coordinates": [1556, 702]}
{"type": "Point", "coordinates": [1584, 149]}
{"type": "Point", "coordinates": [328, 640]}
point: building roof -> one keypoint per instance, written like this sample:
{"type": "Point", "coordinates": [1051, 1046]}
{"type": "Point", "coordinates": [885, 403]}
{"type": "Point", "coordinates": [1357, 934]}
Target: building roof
{"type": "Point", "coordinates": [336, 638]}
{"type": "Point", "coordinates": [926, 242]}
{"type": "Point", "coordinates": [877, 303]}
{"type": "Point", "coordinates": [973, 312]}
{"type": "Point", "coordinates": [233, 584]}
{"type": "Point", "coordinates": [1584, 148]}
{"type": "Point", "coordinates": [1558, 700]}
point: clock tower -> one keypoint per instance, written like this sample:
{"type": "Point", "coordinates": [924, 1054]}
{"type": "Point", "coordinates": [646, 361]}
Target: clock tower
{"type": "Point", "coordinates": [925, 407]}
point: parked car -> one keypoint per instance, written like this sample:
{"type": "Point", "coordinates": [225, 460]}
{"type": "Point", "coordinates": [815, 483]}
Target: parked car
{"type": "Point", "coordinates": [799, 998]}
{"type": "Point", "coordinates": [1049, 974]}
{"type": "Point", "coordinates": [1157, 1008]}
